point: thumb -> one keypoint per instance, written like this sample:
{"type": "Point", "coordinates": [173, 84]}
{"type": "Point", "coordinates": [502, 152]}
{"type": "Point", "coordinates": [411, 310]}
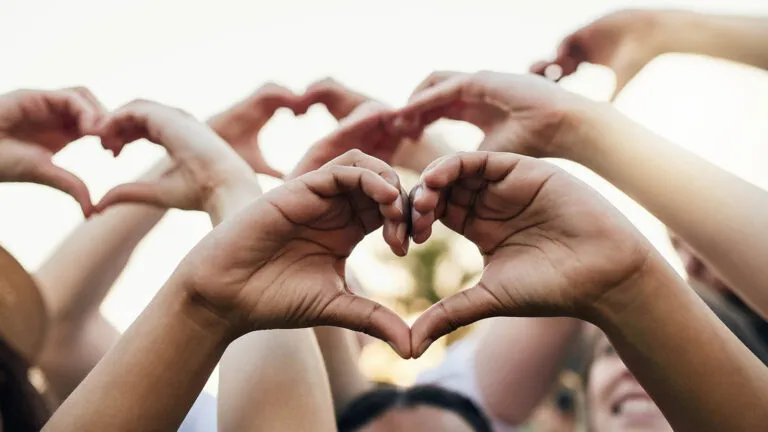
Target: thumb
{"type": "Point", "coordinates": [137, 192]}
{"type": "Point", "coordinates": [360, 314]}
{"type": "Point", "coordinates": [268, 170]}
{"type": "Point", "coordinates": [58, 178]}
{"type": "Point", "coordinates": [447, 315]}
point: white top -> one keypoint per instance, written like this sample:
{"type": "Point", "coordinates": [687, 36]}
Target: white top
{"type": "Point", "coordinates": [457, 373]}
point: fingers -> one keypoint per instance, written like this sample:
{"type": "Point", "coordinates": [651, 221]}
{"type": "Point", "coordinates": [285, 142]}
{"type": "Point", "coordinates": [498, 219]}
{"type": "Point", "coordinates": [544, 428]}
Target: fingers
{"type": "Point", "coordinates": [396, 214]}
{"type": "Point", "coordinates": [48, 174]}
{"type": "Point", "coordinates": [338, 99]}
{"type": "Point", "coordinates": [337, 180]}
{"type": "Point", "coordinates": [363, 315]}
{"type": "Point", "coordinates": [492, 167]}
{"type": "Point", "coordinates": [157, 194]}
{"type": "Point", "coordinates": [433, 79]}
{"type": "Point", "coordinates": [451, 313]}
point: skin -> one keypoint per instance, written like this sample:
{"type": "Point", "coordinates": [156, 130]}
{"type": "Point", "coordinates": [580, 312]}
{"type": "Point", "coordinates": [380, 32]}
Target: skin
{"type": "Point", "coordinates": [536, 118]}
{"type": "Point", "coordinates": [554, 247]}
{"type": "Point", "coordinates": [35, 125]}
{"type": "Point", "coordinates": [292, 230]}
{"type": "Point", "coordinates": [610, 383]}
{"type": "Point", "coordinates": [77, 277]}
{"type": "Point", "coordinates": [627, 40]}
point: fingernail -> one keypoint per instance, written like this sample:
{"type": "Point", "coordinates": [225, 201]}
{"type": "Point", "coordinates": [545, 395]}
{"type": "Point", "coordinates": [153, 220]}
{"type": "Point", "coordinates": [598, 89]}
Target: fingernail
{"type": "Point", "coordinates": [418, 193]}
{"type": "Point", "coordinates": [399, 205]}
{"type": "Point", "coordinates": [422, 348]}
{"type": "Point", "coordinates": [401, 232]}
{"type": "Point", "coordinates": [394, 348]}
{"type": "Point", "coordinates": [415, 215]}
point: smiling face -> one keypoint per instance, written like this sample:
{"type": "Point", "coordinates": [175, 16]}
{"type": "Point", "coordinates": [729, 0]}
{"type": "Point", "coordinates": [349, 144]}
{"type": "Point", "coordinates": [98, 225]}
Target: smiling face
{"type": "Point", "coordinates": [615, 400]}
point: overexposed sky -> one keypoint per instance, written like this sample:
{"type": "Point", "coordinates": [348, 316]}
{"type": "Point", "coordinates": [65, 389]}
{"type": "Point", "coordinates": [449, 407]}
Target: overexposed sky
{"type": "Point", "coordinates": [203, 56]}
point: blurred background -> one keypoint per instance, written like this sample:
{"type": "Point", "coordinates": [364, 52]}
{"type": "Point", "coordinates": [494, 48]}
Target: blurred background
{"type": "Point", "coordinates": [204, 56]}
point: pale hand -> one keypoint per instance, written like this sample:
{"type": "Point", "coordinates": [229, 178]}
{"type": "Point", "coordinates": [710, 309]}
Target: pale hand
{"type": "Point", "coordinates": [35, 125]}
{"type": "Point", "coordinates": [202, 163]}
{"type": "Point", "coordinates": [624, 41]}
{"type": "Point", "coordinates": [551, 245]}
{"type": "Point", "coordinates": [523, 114]}
{"type": "Point", "coordinates": [241, 124]}
{"type": "Point", "coordinates": [280, 262]}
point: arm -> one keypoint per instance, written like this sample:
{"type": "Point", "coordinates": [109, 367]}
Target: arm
{"type": "Point", "coordinates": [76, 279]}
{"type": "Point", "coordinates": [714, 211]}
{"type": "Point", "coordinates": [525, 354]}
{"type": "Point", "coordinates": [151, 378]}
{"type": "Point", "coordinates": [274, 380]}
{"type": "Point", "coordinates": [341, 352]}
{"type": "Point", "coordinates": [627, 40]}
{"type": "Point", "coordinates": [740, 39]}
{"type": "Point", "coordinates": [681, 377]}
{"type": "Point", "coordinates": [554, 247]}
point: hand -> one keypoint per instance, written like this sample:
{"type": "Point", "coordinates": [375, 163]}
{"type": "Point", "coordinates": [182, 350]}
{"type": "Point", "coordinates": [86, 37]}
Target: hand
{"type": "Point", "coordinates": [36, 124]}
{"type": "Point", "coordinates": [280, 263]}
{"type": "Point", "coordinates": [240, 125]}
{"type": "Point", "coordinates": [364, 124]}
{"type": "Point", "coordinates": [624, 41]}
{"type": "Point", "coordinates": [203, 165]}
{"type": "Point", "coordinates": [517, 113]}
{"type": "Point", "coordinates": [338, 99]}
{"type": "Point", "coordinates": [551, 245]}
{"type": "Point", "coordinates": [366, 128]}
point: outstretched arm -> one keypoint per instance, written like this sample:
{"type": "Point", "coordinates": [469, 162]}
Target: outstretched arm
{"type": "Point", "coordinates": [76, 279]}
{"type": "Point", "coordinates": [714, 211]}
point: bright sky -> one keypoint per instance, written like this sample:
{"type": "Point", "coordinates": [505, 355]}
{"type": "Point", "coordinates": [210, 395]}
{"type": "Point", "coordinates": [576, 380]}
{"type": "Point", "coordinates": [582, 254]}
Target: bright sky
{"type": "Point", "coordinates": [202, 56]}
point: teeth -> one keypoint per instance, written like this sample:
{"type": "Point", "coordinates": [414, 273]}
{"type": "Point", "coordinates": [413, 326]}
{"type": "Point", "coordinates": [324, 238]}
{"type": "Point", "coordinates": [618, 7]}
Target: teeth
{"type": "Point", "coordinates": [637, 406]}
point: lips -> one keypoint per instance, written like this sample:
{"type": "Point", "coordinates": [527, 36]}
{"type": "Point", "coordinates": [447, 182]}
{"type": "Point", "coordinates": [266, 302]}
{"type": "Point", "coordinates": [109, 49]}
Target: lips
{"type": "Point", "coordinates": [634, 404]}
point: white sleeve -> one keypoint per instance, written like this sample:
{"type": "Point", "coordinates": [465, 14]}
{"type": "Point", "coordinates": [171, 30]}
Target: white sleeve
{"type": "Point", "coordinates": [457, 373]}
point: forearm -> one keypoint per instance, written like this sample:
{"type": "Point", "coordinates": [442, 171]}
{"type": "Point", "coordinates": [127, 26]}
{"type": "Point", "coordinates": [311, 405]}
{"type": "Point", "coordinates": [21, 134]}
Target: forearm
{"type": "Point", "coordinates": [274, 380]}
{"type": "Point", "coordinates": [341, 352]}
{"type": "Point", "coordinates": [740, 39]}
{"type": "Point", "coordinates": [151, 378]}
{"type": "Point", "coordinates": [79, 274]}
{"type": "Point", "coordinates": [697, 372]}
{"type": "Point", "coordinates": [716, 212]}
{"type": "Point", "coordinates": [521, 353]}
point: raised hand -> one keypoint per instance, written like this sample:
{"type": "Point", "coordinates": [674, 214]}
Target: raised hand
{"type": "Point", "coordinates": [551, 245]}
{"type": "Point", "coordinates": [280, 263]}
{"type": "Point", "coordinates": [36, 124]}
{"type": "Point", "coordinates": [624, 41]}
{"type": "Point", "coordinates": [240, 124]}
{"type": "Point", "coordinates": [203, 164]}
{"type": "Point", "coordinates": [364, 124]}
{"type": "Point", "coordinates": [522, 114]}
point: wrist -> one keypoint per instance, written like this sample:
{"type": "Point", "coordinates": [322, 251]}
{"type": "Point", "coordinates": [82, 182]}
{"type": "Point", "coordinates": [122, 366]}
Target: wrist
{"type": "Point", "coordinates": [637, 297]}
{"type": "Point", "coordinates": [231, 195]}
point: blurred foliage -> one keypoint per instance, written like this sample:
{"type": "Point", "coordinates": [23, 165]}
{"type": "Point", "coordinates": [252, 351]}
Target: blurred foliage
{"type": "Point", "coordinates": [423, 264]}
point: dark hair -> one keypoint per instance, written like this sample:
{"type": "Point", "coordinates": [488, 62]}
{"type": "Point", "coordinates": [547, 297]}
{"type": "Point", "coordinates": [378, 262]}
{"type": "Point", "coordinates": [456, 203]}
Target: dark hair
{"type": "Point", "coordinates": [371, 405]}
{"type": "Point", "coordinates": [23, 408]}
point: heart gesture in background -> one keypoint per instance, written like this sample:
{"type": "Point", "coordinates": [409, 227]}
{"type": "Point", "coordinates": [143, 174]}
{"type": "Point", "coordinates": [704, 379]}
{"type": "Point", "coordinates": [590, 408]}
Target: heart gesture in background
{"type": "Point", "coordinates": [35, 125]}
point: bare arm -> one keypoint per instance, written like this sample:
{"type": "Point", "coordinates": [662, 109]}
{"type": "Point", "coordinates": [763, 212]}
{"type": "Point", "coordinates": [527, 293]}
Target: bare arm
{"type": "Point", "coordinates": [714, 211]}
{"type": "Point", "coordinates": [274, 380]}
{"type": "Point", "coordinates": [525, 354]}
{"type": "Point", "coordinates": [740, 39]}
{"type": "Point", "coordinates": [76, 279]}
{"type": "Point", "coordinates": [677, 368]}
